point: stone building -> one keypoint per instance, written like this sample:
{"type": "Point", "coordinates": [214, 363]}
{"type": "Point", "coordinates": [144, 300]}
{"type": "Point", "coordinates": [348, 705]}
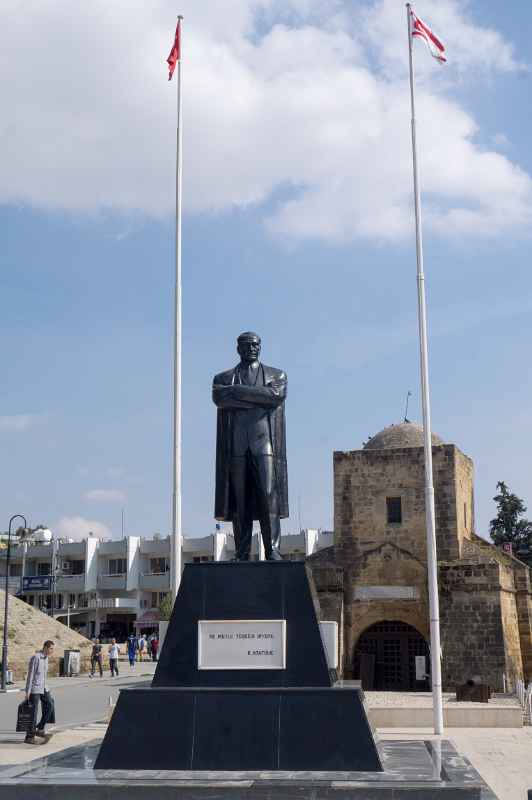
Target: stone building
{"type": "Point", "coordinates": [373, 580]}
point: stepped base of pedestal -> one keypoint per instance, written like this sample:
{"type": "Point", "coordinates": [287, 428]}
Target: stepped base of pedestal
{"type": "Point", "coordinates": [240, 729]}
{"type": "Point", "coordinates": [413, 770]}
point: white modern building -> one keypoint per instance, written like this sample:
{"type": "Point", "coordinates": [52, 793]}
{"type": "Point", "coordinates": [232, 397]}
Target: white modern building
{"type": "Point", "coordinates": [110, 587]}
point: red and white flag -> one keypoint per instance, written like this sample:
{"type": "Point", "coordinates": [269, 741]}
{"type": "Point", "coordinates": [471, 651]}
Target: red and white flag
{"type": "Point", "coordinates": [175, 52]}
{"type": "Point", "coordinates": [419, 29]}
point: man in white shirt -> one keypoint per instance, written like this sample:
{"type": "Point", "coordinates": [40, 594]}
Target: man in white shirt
{"type": "Point", "coordinates": [114, 652]}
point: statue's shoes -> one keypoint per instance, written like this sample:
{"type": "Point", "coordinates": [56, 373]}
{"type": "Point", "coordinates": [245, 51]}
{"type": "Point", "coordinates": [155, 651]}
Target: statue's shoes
{"type": "Point", "coordinates": [274, 556]}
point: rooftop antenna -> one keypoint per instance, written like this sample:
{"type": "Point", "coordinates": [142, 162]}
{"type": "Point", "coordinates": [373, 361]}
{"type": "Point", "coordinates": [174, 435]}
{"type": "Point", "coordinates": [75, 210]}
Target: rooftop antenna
{"type": "Point", "coordinates": [408, 396]}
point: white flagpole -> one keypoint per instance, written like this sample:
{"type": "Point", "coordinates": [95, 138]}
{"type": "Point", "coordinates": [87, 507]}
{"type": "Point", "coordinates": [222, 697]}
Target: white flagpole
{"type": "Point", "coordinates": [176, 537]}
{"type": "Point", "coordinates": [432, 558]}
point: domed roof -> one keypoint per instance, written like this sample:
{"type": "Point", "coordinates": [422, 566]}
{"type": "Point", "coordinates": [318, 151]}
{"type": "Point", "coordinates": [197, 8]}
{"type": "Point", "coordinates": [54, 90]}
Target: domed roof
{"type": "Point", "coordinates": [404, 434]}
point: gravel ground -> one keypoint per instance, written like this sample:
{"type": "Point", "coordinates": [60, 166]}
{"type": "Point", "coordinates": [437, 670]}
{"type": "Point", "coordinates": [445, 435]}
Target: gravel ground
{"type": "Point", "coordinates": [424, 699]}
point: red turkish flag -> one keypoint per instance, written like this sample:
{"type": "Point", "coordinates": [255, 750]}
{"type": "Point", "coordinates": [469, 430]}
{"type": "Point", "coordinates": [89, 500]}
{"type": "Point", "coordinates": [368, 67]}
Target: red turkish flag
{"type": "Point", "coordinates": [175, 52]}
{"type": "Point", "coordinates": [420, 29]}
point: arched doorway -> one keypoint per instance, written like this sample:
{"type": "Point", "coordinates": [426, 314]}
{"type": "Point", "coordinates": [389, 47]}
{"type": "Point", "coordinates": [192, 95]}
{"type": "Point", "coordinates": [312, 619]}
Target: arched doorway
{"type": "Point", "coordinates": [385, 657]}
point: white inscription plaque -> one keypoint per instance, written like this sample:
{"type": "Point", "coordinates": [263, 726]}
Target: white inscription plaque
{"type": "Point", "coordinates": [242, 644]}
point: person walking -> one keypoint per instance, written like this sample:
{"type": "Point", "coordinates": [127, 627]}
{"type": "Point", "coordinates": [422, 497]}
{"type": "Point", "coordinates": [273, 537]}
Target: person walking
{"type": "Point", "coordinates": [37, 692]}
{"type": "Point", "coordinates": [154, 648]}
{"type": "Point", "coordinates": [142, 647]}
{"type": "Point", "coordinates": [114, 652]}
{"type": "Point", "coordinates": [96, 658]}
{"type": "Point", "coordinates": [132, 645]}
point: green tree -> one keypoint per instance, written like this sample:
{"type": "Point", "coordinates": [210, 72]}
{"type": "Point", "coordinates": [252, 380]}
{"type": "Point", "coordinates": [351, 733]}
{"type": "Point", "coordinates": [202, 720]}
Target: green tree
{"type": "Point", "coordinates": [165, 606]}
{"type": "Point", "coordinates": [510, 525]}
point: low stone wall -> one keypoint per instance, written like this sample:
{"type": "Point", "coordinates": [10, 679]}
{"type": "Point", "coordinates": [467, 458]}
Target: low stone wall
{"type": "Point", "coordinates": [460, 715]}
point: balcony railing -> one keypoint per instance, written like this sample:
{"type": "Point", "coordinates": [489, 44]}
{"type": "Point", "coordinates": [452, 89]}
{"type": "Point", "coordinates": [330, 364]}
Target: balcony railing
{"type": "Point", "coordinates": [112, 581]}
{"type": "Point", "coordinates": [155, 581]}
{"type": "Point", "coordinates": [114, 547]}
{"type": "Point", "coordinates": [13, 584]}
{"type": "Point", "coordinates": [70, 583]}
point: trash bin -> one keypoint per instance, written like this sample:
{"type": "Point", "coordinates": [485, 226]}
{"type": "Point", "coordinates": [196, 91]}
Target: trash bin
{"type": "Point", "coordinates": [72, 664]}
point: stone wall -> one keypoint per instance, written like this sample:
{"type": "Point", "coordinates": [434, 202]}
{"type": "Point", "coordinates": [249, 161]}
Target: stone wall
{"type": "Point", "coordinates": [476, 625]}
{"type": "Point", "coordinates": [465, 505]}
{"type": "Point", "coordinates": [28, 628]}
{"type": "Point", "coordinates": [512, 644]}
{"type": "Point", "coordinates": [328, 580]}
{"type": "Point", "coordinates": [523, 600]}
{"type": "Point", "coordinates": [363, 479]}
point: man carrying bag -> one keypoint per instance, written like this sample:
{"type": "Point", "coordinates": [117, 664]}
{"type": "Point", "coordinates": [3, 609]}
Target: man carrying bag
{"type": "Point", "coordinates": [37, 691]}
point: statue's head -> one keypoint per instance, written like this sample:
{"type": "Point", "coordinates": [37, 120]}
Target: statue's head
{"type": "Point", "coordinates": [248, 346]}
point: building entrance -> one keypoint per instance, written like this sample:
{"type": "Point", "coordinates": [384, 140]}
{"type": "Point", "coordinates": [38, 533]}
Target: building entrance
{"type": "Point", "coordinates": [385, 658]}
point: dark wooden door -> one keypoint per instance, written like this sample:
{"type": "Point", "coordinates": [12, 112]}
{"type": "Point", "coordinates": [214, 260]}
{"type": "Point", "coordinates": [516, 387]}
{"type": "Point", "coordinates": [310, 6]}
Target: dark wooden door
{"type": "Point", "coordinates": [393, 646]}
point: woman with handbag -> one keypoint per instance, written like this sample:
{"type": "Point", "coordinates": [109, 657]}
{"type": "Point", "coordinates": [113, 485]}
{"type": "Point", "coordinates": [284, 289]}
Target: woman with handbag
{"type": "Point", "coordinates": [37, 691]}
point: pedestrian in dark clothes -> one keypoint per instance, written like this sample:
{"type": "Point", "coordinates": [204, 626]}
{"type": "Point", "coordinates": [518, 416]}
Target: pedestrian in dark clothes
{"type": "Point", "coordinates": [154, 648]}
{"type": "Point", "coordinates": [132, 645]}
{"type": "Point", "coordinates": [96, 658]}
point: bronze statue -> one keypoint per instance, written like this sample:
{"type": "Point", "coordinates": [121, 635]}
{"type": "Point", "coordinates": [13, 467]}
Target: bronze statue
{"type": "Point", "coordinates": [251, 474]}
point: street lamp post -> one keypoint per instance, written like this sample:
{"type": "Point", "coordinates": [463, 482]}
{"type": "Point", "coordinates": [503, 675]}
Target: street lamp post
{"type": "Point", "coordinates": [6, 600]}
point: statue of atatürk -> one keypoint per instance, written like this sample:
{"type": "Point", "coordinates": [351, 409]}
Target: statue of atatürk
{"type": "Point", "coordinates": [251, 475]}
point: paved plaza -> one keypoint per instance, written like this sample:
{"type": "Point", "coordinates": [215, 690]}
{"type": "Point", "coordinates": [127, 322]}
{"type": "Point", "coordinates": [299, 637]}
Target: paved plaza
{"type": "Point", "coordinates": [78, 700]}
{"type": "Point", "coordinates": [501, 756]}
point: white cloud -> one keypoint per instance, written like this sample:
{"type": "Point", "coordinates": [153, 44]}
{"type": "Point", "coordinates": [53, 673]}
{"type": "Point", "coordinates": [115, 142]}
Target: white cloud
{"type": "Point", "coordinates": [17, 423]}
{"type": "Point", "coordinates": [307, 97]}
{"type": "Point", "coordinates": [79, 528]}
{"type": "Point", "coordinates": [105, 496]}
{"type": "Point", "coordinates": [469, 46]}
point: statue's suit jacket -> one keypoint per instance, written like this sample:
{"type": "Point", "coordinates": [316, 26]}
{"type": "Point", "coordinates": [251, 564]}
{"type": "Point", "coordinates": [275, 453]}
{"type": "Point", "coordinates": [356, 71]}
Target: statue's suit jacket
{"type": "Point", "coordinates": [275, 384]}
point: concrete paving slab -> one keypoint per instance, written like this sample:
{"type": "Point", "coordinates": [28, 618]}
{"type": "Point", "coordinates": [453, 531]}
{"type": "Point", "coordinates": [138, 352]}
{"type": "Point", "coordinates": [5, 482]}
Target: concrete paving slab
{"type": "Point", "coordinates": [503, 757]}
{"type": "Point", "coordinates": [13, 750]}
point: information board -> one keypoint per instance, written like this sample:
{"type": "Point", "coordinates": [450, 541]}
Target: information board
{"type": "Point", "coordinates": [36, 582]}
{"type": "Point", "coordinates": [242, 644]}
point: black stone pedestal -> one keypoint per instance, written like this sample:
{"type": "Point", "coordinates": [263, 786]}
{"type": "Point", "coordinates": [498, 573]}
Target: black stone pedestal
{"type": "Point", "coordinates": [240, 729]}
{"type": "Point", "coordinates": [281, 719]}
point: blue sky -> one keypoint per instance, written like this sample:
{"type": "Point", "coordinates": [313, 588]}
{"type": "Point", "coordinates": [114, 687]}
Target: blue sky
{"type": "Point", "coordinates": [299, 225]}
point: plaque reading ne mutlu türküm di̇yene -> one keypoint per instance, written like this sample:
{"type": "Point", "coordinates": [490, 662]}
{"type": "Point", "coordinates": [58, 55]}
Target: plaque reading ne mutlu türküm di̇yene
{"type": "Point", "coordinates": [242, 644]}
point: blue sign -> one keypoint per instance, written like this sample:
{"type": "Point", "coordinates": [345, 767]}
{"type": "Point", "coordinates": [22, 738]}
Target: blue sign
{"type": "Point", "coordinates": [37, 583]}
